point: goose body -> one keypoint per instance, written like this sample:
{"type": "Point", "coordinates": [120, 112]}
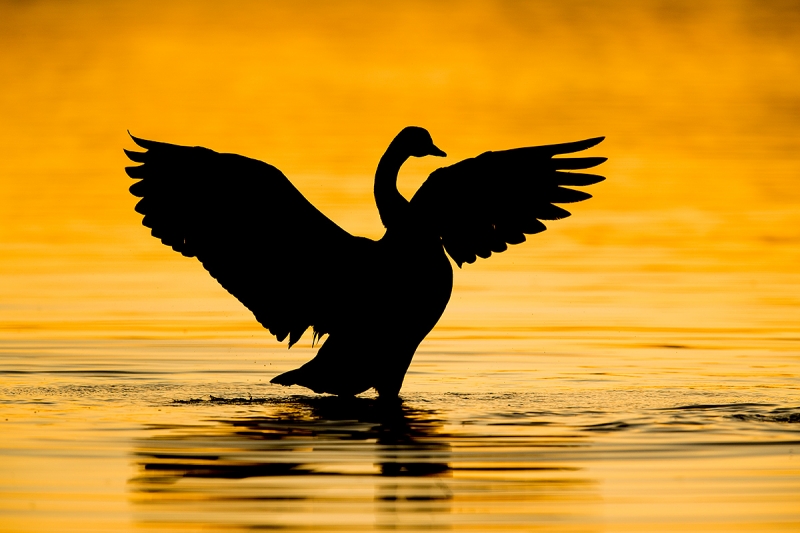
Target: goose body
{"type": "Point", "coordinates": [385, 308]}
{"type": "Point", "coordinates": [294, 268]}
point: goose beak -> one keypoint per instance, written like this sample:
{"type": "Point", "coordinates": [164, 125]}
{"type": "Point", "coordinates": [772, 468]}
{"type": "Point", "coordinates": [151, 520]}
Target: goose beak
{"type": "Point", "coordinates": [438, 153]}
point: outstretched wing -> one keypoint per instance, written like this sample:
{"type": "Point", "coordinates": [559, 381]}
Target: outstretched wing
{"type": "Point", "coordinates": [480, 205]}
{"type": "Point", "coordinates": [249, 227]}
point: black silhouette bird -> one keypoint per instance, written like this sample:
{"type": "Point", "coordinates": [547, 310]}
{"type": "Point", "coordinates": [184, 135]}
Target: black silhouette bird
{"type": "Point", "coordinates": [294, 268]}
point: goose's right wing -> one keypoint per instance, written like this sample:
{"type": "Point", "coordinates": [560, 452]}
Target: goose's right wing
{"type": "Point", "coordinates": [250, 228]}
{"type": "Point", "coordinates": [480, 205]}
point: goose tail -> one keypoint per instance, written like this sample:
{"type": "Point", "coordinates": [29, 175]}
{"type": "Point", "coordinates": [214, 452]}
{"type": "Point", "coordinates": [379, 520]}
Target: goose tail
{"type": "Point", "coordinates": [334, 371]}
{"type": "Point", "coordinates": [322, 379]}
{"type": "Point", "coordinates": [305, 376]}
{"type": "Point", "coordinates": [292, 377]}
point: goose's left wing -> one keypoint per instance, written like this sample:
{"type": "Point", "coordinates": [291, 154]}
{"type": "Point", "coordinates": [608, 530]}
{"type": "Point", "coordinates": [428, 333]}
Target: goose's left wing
{"type": "Point", "coordinates": [481, 205]}
{"type": "Point", "coordinates": [251, 229]}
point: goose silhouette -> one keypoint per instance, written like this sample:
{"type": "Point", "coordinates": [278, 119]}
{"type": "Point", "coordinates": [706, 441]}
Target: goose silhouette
{"type": "Point", "coordinates": [294, 268]}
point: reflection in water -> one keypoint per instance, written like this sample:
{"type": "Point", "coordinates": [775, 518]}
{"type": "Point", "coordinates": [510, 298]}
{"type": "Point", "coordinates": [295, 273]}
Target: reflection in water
{"type": "Point", "coordinates": [407, 441]}
{"type": "Point", "coordinates": [368, 464]}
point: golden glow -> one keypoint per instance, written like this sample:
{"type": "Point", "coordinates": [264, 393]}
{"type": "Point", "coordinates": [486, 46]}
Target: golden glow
{"type": "Point", "coordinates": [680, 275]}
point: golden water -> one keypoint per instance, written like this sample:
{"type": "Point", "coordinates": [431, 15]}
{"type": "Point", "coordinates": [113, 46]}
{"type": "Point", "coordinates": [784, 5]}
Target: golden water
{"type": "Point", "coordinates": [634, 368]}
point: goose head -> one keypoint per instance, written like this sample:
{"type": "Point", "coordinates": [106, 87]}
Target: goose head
{"type": "Point", "coordinates": [416, 142]}
{"type": "Point", "coordinates": [413, 141]}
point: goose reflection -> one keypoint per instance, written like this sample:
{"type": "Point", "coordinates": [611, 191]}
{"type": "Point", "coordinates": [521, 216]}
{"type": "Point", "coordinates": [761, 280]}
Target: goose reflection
{"type": "Point", "coordinates": [336, 464]}
{"type": "Point", "coordinates": [315, 437]}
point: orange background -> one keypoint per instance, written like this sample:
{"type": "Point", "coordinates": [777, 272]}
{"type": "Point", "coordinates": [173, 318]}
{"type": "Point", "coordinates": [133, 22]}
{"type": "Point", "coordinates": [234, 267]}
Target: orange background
{"type": "Point", "coordinates": [700, 105]}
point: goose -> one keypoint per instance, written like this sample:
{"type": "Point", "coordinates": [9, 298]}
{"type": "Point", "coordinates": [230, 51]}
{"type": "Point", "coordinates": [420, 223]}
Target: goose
{"type": "Point", "coordinates": [376, 300]}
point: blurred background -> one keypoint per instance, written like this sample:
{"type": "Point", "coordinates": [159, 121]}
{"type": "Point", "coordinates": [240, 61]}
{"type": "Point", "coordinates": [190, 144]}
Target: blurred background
{"type": "Point", "coordinates": [700, 103]}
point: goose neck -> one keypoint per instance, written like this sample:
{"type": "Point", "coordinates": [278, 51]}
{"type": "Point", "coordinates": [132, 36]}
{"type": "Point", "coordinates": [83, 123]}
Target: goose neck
{"type": "Point", "coordinates": [391, 204]}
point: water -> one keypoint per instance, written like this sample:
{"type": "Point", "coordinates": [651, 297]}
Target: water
{"type": "Point", "coordinates": [634, 368]}
{"type": "Point", "coordinates": [502, 427]}
{"type": "Point", "coordinates": [129, 457]}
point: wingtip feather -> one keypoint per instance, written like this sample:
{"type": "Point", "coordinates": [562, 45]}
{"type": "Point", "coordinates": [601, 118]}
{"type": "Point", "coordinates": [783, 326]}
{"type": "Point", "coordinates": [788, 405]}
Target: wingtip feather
{"type": "Point", "coordinates": [575, 146]}
{"type": "Point", "coordinates": [137, 157]}
{"type": "Point", "coordinates": [144, 143]}
{"type": "Point", "coordinates": [135, 172]}
{"type": "Point", "coordinates": [577, 179]}
{"type": "Point", "coordinates": [594, 141]}
{"type": "Point", "coordinates": [577, 163]}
